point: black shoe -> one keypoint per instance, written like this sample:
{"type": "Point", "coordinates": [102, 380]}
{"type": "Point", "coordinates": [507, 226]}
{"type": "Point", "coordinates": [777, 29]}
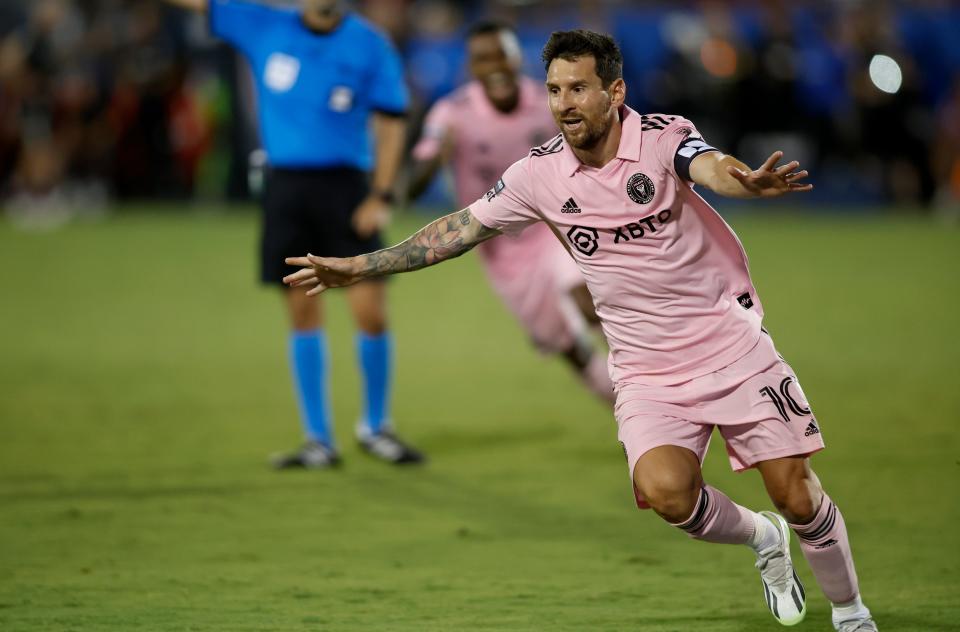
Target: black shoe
{"type": "Point", "coordinates": [312, 456]}
{"type": "Point", "coordinates": [385, 446]}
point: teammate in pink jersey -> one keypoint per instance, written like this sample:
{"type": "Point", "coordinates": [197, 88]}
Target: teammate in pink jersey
{"type": "Point", "coordinates": [480, 129]}
{"type": "Point", "coordinates": [672, 289]}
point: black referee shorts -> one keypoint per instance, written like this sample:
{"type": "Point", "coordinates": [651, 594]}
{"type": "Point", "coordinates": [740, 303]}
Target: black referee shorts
{"type": "Point", "coordinates": [309, 210]}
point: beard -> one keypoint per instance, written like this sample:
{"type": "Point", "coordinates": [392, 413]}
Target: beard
{"type": "Point", "coordinates": [589, 134]}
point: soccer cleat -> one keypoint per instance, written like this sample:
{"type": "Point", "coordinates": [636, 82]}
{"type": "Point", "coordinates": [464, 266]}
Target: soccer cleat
{"type": "Point", "coordinates": [314, 455]}
{"type": "Point", "coordinates": [385, 446]}
{"type": "Point", "coordinates": [859, 625]}
{"type": "Point", "coordinates": [781, 586]}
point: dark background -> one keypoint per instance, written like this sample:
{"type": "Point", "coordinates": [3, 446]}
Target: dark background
{"type": "Point", "coordinates": [116, 99]}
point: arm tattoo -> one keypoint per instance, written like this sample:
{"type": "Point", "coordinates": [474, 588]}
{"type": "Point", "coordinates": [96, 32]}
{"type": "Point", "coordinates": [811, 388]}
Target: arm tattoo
{"type": "Point", "coordinates": [446, 238]}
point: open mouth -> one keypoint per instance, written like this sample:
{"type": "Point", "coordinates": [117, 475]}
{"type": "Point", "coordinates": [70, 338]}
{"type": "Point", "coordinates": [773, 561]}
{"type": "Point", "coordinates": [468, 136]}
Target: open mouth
{"type": "Point", "coordinates": [572, 124]}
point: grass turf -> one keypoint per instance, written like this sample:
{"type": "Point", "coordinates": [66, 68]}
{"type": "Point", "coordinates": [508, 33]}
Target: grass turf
{"type": "Point", "coordinates": [143, 381]}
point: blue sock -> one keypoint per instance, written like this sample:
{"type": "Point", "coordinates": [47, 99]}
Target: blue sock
{"type": "Point", "coordinates": [375, 359]}
{"type": "Point", "coordinates": [308, 362]}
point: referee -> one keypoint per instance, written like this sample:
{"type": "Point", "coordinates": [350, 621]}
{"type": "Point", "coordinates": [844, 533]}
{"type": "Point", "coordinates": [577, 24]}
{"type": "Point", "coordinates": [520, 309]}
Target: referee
{"type": "Point", "coordinates": [322, 74]}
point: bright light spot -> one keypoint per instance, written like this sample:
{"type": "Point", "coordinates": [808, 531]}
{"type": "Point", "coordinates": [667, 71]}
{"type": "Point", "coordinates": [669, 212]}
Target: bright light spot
{"type": "Point", "coordinates": [885, 73]}
{"type": "Point", "coordinates": [719, 57]}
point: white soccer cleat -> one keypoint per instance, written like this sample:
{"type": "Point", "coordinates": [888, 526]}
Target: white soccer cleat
{"type": "Point", "coordinates": [853, 617]}
{"type": "Point", "coordinates": [386, 446]}
{"type": "Point", "coordinates": [860, 625]}
{"type": "Point", "coordinates": [781, 586]}
{"type": "Point", "coordinates": [313, 455]}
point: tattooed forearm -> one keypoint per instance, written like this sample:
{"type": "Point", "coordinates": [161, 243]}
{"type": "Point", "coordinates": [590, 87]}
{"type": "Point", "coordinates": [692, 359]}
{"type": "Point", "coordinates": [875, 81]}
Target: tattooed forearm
{"type": "Point", "coordinates": [446, 238]}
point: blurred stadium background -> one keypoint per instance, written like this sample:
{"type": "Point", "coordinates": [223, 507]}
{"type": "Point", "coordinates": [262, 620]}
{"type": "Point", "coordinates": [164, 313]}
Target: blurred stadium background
{"type": "Point", "coordinates": [131, 99]}
{"type": "Point", "coordinates": [142, 380]}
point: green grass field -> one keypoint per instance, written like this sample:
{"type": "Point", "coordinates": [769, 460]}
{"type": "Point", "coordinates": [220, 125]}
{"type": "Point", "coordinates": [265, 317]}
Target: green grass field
{"type": "Point", "coordinates": [143, 382]}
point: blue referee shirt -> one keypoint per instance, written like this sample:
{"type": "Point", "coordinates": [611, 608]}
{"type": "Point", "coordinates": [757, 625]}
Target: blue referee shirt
{"type": "Point", "coordinates": [315, 90]}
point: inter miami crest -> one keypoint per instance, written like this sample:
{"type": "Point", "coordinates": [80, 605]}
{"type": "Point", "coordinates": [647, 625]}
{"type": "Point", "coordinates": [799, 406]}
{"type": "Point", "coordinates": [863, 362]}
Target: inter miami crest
{"type": "Point", "coordinates": [640, 188]}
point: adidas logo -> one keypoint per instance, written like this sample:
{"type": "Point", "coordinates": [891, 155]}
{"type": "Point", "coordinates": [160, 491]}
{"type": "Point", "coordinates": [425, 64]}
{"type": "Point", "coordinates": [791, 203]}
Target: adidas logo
{"type": "Point", "coordinates": [570, 206]}
{"type": "Point", "coordinates": [811, 429]}
{"type": "Point", "coordinates": [825, 545]}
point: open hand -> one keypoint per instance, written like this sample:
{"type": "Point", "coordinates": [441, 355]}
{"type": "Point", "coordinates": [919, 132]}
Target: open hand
{"type": "Point", "coordinates": [321, 273]}
{"type": "Point", "coordinates": [770, 180]}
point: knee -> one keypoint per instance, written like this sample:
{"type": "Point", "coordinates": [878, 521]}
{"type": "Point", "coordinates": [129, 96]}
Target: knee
{"type": "Point", "coordinates": [672, 496]}
{"type": "Point", "coordinates": [368, 302]}
{"type": "Point", "coordinates": [371, 318]}
{"type": "Point", "coordinates": [797, 499]}
{"type": "Point", "coordinates": [304, 315]}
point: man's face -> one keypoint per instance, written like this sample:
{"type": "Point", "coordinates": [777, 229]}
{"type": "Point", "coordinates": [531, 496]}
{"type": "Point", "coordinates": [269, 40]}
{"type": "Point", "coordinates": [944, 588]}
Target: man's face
{"type": "Point", "coordinates": [324, 14]}
{"type": "Point", "coordinates": [583, 109]}
{"type": "Point", "coordinates": [494, 60]}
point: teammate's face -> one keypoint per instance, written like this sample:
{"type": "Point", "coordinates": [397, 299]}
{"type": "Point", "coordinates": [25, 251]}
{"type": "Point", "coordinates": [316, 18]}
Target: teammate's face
{"type": "Point", "coordinates": [323, 15]}
{"type": "Point", "coordinates": [494, 60]}
{"type": "Point", "coordinates": [583, 109]}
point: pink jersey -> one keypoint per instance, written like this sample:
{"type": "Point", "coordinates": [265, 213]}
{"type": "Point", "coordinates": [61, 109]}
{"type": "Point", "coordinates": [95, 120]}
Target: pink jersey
{"type": "Point", "coordinates": [669, 278]}
{"type": "Point", "coordinates": [485, 142]}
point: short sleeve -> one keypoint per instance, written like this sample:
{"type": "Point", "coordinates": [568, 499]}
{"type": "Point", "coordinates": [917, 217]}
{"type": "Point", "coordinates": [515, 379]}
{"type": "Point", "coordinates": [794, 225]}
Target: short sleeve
{"type": "Point", "coordinates": [388, 90]}
{"type": "Point", "coordinates": [509, 206]}
{"type": "Point", "coordinates": [678, 144]}
{"type": "Point", "coordinates": [436, 127]}
{"type": "Point", "coordinates": [239, 22]}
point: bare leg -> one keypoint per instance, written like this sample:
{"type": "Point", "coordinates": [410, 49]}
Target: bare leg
{"type": "Point", "coordinates": [368, 305]}
{"type": "Point", "coordinates": [305, 312]}
{"type": "Point", "coordinates": [581, 296]}
{"type": "Point", "coordinates": [819, 525]}
{"type": "Point", "coordinates": [589, 361]}
{"type": "Point", "coordinates": [669, 478]}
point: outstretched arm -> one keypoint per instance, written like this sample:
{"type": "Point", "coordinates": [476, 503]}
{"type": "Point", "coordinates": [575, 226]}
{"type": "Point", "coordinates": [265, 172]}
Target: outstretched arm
{"type": "Point", "coordinates": [448, 237]}
{"type": "Point", "coordinates": [422, 173]}
{"type": "Point", "coordinates": [424, 170]}
{"type": "Point", "coordinates": [728, 176]}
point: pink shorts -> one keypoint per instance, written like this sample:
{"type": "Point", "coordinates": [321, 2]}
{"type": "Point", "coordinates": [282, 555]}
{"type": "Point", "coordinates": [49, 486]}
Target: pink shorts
{"type": "Point", "coordinates": [756, 403]}
{"type": "Point", "coordinates": [533, 275]}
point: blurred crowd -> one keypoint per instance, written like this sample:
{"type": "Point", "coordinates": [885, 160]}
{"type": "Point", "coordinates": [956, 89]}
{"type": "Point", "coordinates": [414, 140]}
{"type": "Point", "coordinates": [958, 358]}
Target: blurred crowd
{"type": "Point", "coordinates": [106, 99]}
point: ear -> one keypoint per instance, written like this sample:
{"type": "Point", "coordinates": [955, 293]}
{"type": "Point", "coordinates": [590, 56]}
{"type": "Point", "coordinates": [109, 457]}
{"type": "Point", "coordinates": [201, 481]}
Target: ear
{"type": "Point", "coordinates": [618, 92]}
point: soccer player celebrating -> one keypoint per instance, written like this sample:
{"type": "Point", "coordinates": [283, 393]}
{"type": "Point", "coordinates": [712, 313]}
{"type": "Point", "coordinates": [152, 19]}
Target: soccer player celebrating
{"type": "Point", "coordinates": [480, 129]}
{"type": "Point", "coordinates": [671, 286]}
{"type": "Point", "coordinates": [321, 75]}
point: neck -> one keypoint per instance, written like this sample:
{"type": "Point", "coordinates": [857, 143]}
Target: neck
{"type": "Point", "coordinates": [605, 149]}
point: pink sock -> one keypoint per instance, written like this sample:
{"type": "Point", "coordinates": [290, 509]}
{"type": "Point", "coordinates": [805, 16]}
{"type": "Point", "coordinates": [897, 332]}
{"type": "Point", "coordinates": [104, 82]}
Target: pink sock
{"type": "Point", "coordinates": [716, 518]}
{"type": "Point", "coordinates": [824, 543]}
{"type": "Point", "coordinates": [597, 377]}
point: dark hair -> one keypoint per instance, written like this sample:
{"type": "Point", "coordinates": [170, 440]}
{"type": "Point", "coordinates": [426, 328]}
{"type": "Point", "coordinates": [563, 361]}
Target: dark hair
{"type": "Point", "coordinates": [487, 27]}
{"type": "Point", "coordinates": [571, 45]}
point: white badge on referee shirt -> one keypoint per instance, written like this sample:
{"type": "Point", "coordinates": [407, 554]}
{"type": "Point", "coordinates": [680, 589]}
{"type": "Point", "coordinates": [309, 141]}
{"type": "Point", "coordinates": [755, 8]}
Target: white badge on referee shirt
{"type": "Point", "coordinates": [281, 72]}
{"type": "Point", "coordinates": [341, 99]}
